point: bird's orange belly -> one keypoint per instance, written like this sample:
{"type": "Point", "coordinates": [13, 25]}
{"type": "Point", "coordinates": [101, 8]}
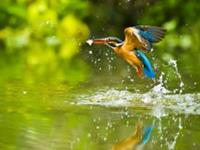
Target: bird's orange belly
{"type": "Point", "coordinates": [131, 58]}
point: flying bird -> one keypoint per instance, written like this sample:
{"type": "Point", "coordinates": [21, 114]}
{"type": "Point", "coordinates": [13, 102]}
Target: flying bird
{"type": "Point", "coordinates": [138, 40]}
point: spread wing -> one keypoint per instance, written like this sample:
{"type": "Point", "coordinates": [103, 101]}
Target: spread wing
{"type": "Point", "coordinates": [149, 35]}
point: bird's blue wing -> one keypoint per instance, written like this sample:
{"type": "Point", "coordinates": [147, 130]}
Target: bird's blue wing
{"type": "Point", "coordinates": [152, 34]}
{"type": "Point", "coordinates": [148, 69]}
{"type": "Point", "coordinates": [147, 135]}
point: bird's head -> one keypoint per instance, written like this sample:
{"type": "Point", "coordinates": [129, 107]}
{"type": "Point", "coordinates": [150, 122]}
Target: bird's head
{"type": "Point", "coordinates": [111, 42]}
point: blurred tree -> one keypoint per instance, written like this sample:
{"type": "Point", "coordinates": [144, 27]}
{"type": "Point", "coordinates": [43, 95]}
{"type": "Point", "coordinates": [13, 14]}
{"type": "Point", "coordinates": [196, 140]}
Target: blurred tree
{"type": "Point", "coordinates": [42, 38]}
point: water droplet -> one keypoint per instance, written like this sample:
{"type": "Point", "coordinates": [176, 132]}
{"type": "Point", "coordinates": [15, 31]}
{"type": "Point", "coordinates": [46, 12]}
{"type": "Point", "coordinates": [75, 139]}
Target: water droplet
{"type": "Point", "coordinates": [180, 124]}
{"type": "Point", "coordinates": [173, 63]}
{"type": "Point", "coordinates": [160, 87]}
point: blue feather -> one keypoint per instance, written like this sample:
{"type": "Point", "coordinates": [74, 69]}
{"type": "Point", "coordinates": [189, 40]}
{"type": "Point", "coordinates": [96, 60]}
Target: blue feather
{"type": "Point", "coordinates": [152, 34]}
{"type": "Point", "coordinates": [147, 135]}
{"type": "Point", "coordinates": [147, 35]}
{"type": "Point", "coordinates": [148, 69]}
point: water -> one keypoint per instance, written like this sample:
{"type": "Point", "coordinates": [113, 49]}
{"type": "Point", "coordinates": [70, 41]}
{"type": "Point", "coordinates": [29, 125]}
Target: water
{"type": "Point", "coordinates": [62, 117]}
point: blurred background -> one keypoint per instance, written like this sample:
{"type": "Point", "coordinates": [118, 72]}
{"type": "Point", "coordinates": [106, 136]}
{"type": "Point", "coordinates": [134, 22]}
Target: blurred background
{"type": "Point", "coordinates": [43, 41]}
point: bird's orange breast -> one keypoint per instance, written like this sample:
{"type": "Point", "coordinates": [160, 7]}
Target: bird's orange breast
{"type": "Point", "coordinates": [131, 58]}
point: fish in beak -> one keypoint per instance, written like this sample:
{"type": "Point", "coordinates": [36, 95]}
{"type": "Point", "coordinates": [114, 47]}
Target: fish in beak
{"type": "Point", "coordinates": [98, 41]}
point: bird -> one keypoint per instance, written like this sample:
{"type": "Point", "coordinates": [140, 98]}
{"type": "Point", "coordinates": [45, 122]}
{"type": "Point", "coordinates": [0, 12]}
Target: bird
{"type": "Point", "coordinates": [138, 41]}
{"type": "Point", "coordinates": [136, 141]}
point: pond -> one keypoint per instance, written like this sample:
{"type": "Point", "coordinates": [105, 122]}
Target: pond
{"type": "Point", "coordinates": [61, 117]}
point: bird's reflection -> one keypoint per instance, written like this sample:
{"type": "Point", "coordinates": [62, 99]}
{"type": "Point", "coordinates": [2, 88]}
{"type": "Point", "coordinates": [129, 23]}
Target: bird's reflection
{"type": "Point", "coordinates": [137, 141]}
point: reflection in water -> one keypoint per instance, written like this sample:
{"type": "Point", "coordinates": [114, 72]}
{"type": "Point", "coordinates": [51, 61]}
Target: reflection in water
{"type": "Point", "coordinates": [137, 141]}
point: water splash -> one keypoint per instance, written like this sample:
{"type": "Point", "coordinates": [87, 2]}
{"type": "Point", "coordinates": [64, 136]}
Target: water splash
{"type": "Point", "coordinates": [158, 111]}
{"type": "Point", "coordinates": [159, 88]}
{"type": "Point", "coordinates": [171, 145]}
{"type": "Point", "coordinates": [173, 63]}
{"type": "Point", "coordinates": [158, 103]}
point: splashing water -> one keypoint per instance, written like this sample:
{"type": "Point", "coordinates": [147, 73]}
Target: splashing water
{"type": "Point", "coordinates": [171, 145]}
{"type": "Point", "coordinates": [164, 106]}
{"type": "Point", "coordinates": [158, 99]}
{"type": "Point", "coordinates": [160, 87]}
{"type": "Point", "coordinates": [173, 63]}
{"type": "Point", "coordinates": [159, 103]}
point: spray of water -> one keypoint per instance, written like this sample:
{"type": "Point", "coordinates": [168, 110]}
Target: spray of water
{"type": "Point", "coordinates": [173, 63]}
{"type": "Point", "coordinates": [159, 88]}
{"type": "Point", "coordinates": [171, 145]}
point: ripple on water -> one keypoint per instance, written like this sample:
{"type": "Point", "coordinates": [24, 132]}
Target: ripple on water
{"type": "Point", "coordinates": [188, 103]}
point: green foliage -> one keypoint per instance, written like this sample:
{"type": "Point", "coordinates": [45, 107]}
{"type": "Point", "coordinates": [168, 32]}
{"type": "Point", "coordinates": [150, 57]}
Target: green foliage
{"type": "Point", "coordinates": [44, 41]}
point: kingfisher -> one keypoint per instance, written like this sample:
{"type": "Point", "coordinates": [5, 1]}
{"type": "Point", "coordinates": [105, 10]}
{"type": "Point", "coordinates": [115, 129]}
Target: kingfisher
{"type": "Point", "coordinates": [137, 141]}
{"type": "Point", "coordinates": [138, 41]}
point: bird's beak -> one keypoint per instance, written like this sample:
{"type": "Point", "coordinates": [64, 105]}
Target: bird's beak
{"type": "Point", "coordinates": [97, 41]}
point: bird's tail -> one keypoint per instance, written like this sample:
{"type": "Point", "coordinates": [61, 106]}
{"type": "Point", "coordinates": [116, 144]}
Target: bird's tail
{"type": "Point", "coordinates": [148, 69]}
{"type": "Point", "coordinates": [146, 135]}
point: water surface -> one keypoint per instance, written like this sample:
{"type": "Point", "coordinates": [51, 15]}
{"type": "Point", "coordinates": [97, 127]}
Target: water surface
{"type": "Point", "coordinates": [60, 117]}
